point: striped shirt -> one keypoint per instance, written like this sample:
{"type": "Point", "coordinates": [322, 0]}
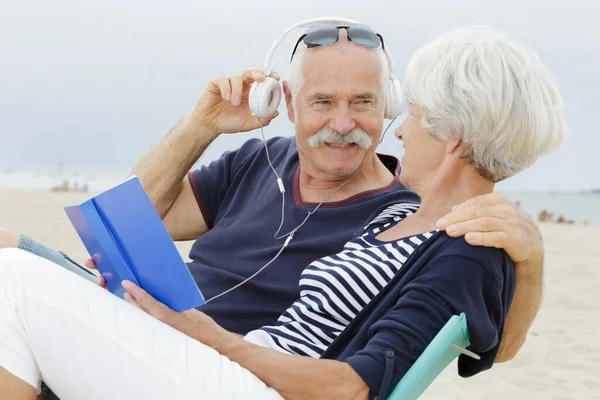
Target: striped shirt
{"type": "Point", "coordinates": [334, 289]}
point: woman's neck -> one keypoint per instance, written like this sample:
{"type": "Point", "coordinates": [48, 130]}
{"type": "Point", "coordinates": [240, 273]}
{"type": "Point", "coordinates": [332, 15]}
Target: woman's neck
{"type": "Point", "coordinates": [456, 182]}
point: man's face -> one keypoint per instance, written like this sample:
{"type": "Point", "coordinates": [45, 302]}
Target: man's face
{"type": "Point", "coordinates": [339, 110]}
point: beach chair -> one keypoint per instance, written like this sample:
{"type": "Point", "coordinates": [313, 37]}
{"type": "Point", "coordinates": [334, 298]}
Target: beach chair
{"type": "Point", "coordinates": [451, 341]}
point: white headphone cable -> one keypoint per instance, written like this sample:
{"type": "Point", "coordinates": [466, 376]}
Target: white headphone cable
{"type": "Point", "coordinates": [251, 277]}
{"type": "Point", "coordinates": [282, 190]}
{"type": "Point", "coordinates": [290, 234]}
{"type": "Point", "coordinates": [279, 180]}
{"type": "Point", "coordinates": [386, 129]}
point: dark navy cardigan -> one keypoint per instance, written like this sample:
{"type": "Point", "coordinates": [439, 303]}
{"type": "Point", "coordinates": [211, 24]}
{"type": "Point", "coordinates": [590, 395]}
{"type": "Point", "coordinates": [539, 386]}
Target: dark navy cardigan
{"type": "Point", "coordinates": [443, 277]}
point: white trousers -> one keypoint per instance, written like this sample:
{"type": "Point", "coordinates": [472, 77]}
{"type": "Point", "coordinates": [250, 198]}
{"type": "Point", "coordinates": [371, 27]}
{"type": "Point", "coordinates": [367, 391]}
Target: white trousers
{"type": "Point", "coordinates": [86, 343]}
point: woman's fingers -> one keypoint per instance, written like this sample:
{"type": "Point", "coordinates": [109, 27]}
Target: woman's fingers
{"type": "Point", "coordinates": [100, 281]}
{"type": "Point", "coordinates": [131, 300]}
{"type": "Point", "coordinates": [89, 263]}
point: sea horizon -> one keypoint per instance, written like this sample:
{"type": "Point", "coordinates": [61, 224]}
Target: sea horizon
{"type": "Point", "coordinates": [577, 206]}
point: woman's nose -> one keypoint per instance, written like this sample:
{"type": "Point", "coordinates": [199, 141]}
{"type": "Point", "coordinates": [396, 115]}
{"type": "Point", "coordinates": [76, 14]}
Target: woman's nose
{"type": "Point", "coordinates": [398, 132]}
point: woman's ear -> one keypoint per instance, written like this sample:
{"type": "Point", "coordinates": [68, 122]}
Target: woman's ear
{"type": "Point", "coordinates": [454, 145]}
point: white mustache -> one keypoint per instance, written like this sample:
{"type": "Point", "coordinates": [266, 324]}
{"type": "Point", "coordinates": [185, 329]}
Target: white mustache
{"type": "Point", "coordinates": [330, 136]}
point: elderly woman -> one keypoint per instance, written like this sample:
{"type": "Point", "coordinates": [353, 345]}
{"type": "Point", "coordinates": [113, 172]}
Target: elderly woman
{"type": "Point", "coordinates": [482, 108]}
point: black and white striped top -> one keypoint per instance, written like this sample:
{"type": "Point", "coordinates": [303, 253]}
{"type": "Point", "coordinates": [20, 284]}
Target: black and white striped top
{"type": "Point", "coordinates": [334, 289]}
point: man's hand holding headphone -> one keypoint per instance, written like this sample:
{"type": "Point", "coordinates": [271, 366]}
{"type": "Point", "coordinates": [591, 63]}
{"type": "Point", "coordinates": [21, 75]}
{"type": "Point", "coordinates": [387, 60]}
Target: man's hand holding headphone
{"type": "Point", "coordinates": [223, 106]}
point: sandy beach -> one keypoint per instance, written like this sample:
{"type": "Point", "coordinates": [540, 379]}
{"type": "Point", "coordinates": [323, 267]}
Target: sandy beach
{"type": "Point", "coordinates": [560, 360]}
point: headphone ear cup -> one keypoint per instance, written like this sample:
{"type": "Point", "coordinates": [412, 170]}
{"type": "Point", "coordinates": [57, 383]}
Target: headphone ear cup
{"type": "Point", "coordinates": [393, 99]}
{"type": "Point", "coordinates": [264, 97]}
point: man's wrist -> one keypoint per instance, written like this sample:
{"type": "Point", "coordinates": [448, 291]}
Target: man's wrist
{"type": "Point", "coordinates": [197, 125]}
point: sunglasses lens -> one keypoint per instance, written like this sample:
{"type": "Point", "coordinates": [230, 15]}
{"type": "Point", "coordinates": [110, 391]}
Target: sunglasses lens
{"type": "Point", "coordinates": [363, 35]}
{"type": "Point", "coordinates": [322, 35]}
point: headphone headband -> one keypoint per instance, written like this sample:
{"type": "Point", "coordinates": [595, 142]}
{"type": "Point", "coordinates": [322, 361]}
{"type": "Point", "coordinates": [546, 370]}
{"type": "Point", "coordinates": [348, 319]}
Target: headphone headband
{"type": "Point", "coordinates": [264, 97]}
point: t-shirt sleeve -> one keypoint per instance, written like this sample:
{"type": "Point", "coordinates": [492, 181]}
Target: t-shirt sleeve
{"type": "Point", "coordinates": [446, 286]}
{"type": "Point", "coordinates": [210, 183]}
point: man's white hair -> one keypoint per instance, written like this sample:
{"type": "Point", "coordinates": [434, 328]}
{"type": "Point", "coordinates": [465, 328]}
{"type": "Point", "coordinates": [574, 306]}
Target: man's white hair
{"type": "Point", "coordinates": [493, 93]}
{"type": "Point", "coordinates": [295, 77]}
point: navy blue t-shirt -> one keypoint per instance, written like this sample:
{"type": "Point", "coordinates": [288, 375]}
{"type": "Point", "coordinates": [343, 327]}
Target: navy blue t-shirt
{"type": "Point", "coordinates": [241, 203]}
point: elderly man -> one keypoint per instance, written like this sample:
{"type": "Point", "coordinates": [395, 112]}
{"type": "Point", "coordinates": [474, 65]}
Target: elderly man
{"type": "Point", "coordinates": [331, 173]}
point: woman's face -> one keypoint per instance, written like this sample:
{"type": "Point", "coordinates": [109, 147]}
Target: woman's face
{"type": "Point", "coordinates": [423, 154]}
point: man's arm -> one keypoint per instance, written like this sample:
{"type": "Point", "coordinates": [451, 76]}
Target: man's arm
{"type": "Point", "coordinates": [525, 305]}
{"type": "Point", "coordinates": [162, 172]}
{"type": "Point", "coordinates": [221, 108]}
{"type": "Point", "coordinates": [492, 221]}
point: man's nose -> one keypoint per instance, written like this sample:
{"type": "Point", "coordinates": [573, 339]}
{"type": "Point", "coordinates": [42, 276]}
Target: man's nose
{"type": "Point", "coordinates": [342, 121]}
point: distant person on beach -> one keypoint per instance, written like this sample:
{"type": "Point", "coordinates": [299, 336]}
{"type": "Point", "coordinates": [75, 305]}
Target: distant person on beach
{"type": "Point", "coordinates": [230, 206]}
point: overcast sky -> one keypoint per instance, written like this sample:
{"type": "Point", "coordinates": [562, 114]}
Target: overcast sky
{"type": "Point", "coordinates": [98, 83]}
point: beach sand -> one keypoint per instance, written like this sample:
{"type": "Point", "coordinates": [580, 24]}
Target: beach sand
{"type": "Point", "coordinates": [560, 360]}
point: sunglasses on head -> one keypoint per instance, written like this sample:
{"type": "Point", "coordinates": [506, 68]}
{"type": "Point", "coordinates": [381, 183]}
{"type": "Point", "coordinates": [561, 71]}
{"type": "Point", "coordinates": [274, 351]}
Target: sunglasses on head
{"type": "Point", "coordinates": [323, 35]}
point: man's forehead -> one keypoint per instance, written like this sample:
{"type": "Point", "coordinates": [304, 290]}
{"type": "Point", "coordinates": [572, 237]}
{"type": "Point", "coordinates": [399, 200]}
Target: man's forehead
{"type": "Point", "coordinates": [350, 81]}
{"type": "Point", "coordinates": [334, 60]}
{"type": "Point", "coordinates": [342, 49]}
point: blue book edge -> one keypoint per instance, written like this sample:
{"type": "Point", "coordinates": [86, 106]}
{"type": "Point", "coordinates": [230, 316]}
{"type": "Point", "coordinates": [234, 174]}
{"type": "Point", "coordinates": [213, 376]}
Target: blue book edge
{"type": "Point", "coordinates": [103, 243]}
{"type": "Point", "coordinates": [98, 241]}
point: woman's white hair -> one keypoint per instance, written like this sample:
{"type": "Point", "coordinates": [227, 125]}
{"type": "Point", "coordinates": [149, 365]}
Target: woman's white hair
{"type": "Point", "coordinates": [493, 93]}
{"type": "Point", "coordinates": [295, 76]}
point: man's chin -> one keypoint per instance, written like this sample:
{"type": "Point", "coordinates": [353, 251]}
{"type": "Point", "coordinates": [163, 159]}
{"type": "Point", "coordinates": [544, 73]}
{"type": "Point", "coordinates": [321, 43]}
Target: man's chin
{"type": "Point", "coordinates": [338, 163]}
{"type": "Point", "coordinates": [341, 171]}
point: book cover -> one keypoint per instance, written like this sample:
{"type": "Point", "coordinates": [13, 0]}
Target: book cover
{"type": "Point", "coordinates": [126, 238]}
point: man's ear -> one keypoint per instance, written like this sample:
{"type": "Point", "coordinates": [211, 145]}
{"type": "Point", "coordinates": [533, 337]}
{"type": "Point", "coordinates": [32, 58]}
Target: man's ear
{"type": "Point", "coordinates": [289, 101]}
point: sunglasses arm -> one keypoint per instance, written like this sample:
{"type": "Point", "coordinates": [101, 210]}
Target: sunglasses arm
{"type": "Point", "coordinates": [269, 64]}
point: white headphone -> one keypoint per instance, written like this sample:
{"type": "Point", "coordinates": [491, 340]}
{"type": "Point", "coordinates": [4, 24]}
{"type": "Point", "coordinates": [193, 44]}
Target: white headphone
{"type": "Point", "coordinates": [264, 97]}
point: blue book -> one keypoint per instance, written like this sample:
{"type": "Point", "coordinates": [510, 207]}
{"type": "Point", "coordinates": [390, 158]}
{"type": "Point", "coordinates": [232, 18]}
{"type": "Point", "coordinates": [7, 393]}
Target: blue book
{"type": "Point", "coordinates": [127, 240]}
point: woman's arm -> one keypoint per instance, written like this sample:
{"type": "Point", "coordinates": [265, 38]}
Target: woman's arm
{"type": "Point", "coordinates": [293, 376]}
